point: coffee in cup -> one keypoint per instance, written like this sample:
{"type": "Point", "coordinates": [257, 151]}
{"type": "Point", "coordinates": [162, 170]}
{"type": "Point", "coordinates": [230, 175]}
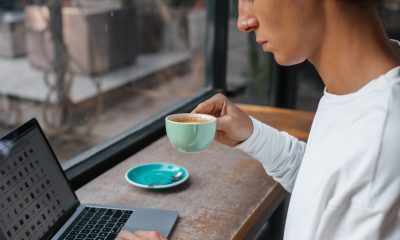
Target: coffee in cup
{"type": "Point", "coordinates": [190, 132]}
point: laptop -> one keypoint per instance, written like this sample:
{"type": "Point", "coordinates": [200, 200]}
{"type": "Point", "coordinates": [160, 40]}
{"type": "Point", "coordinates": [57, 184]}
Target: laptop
{"type": "Point", "coordinates": [37, 202]}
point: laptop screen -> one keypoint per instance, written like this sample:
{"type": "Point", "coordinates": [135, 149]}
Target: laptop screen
{"type": "Point", "coordinates": [34, 193]}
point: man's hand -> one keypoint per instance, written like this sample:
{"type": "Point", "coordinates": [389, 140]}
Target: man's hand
{"type": "Point", "coordinates": [233, 125]}
{"type": "Point", "coordinates": [139, 235]}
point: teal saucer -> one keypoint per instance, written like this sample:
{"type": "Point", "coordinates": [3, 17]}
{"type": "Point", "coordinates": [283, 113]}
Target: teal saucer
{"type": "Point", "coordinates": [156, 175]}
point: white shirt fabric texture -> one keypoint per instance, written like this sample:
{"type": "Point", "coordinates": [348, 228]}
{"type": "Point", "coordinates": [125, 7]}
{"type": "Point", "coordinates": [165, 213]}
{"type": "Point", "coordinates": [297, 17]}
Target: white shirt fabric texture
{"type": "Point", "coordinates": [345, 182]}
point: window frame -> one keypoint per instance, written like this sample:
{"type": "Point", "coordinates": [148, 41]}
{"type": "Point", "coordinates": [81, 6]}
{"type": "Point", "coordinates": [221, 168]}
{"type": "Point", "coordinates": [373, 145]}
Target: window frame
{"type": "Point", "coordinates": [93, 162]}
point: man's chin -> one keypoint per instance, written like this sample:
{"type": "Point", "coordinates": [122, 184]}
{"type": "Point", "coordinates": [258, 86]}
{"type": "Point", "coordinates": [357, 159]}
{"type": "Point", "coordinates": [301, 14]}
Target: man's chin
{"type": "Point", "coordinates": [287, 61]}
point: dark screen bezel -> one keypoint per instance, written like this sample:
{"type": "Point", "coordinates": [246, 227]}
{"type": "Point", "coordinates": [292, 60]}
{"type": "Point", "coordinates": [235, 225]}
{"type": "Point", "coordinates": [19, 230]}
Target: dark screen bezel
{"type": "Point", "coordinates": [21, 131]}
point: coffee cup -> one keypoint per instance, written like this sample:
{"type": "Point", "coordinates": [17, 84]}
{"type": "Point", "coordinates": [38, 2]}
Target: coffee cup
{"type": "Point", "coordinates": [190, 132]}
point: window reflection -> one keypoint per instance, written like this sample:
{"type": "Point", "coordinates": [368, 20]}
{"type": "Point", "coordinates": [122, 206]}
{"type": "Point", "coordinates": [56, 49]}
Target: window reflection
{"type": "Point", "coordinates": [90, 69]}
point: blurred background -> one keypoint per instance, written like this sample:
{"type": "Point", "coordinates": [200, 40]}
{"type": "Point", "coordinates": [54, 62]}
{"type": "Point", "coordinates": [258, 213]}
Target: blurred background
{"type": "Point", "coordinates": [88, 70]}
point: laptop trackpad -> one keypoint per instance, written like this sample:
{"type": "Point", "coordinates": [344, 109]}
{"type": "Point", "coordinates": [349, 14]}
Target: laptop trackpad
{"type": "Point", "coordinates": [152, 220]}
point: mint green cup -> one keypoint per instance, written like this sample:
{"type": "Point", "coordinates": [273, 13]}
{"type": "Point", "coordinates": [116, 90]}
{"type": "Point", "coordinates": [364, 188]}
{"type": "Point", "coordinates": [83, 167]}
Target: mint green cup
{"type": "Point", "coordinates": [189, 132]}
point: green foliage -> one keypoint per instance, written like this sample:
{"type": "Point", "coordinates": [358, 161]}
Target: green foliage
{"type": "Point", "coordinates": [260, 72]}
{"type": "Point", "coordinates": [127, 3]}
{"type": "Point", "coordinates": [180, 3]}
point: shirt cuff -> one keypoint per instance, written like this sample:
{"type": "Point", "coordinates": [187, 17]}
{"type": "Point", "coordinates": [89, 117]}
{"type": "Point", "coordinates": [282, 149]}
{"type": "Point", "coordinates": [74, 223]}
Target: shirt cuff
{"type": "Point", "coordinates": [246, 146]}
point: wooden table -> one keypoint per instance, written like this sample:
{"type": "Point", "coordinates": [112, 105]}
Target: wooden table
{"type": "Point", "coordinates": [226, 193]}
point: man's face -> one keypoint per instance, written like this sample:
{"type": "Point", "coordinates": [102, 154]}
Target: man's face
{"type": "Point", "coordinates": [290, 29]}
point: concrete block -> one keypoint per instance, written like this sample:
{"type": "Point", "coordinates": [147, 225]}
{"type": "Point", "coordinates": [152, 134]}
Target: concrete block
{"type": "Point", "coordinates": [12, 34]}
{"type": "Point", "coordinates": [197, 27]}
{"type": "Point", "coordinates": [98, 39]}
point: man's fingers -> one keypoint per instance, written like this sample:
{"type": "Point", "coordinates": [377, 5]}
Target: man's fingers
{"type": "Point", "coordinates": [212, 106]}
{"type": "Point", "coordinates": [221, 138]}
{"type": "Point", "coordinates": [204, 107]}
{"type": "Point", "coordinates": [140, 235]}
{"type": "Point", "coordinates": [150, 235]}
{"type": "Point", "coordinates": [223, 122]}
{"type": "Point", "coordinates": [126, 235]}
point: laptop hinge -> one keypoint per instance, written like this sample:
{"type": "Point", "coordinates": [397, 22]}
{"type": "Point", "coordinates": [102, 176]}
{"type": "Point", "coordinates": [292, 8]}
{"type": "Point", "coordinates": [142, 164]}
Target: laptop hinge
{"type": "Point", "coordinates": [57, 226]}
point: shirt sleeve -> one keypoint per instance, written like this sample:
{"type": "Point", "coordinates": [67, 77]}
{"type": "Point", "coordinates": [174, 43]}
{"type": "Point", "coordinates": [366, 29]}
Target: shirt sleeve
{"type": "Point", "coordinates": [279, 152]}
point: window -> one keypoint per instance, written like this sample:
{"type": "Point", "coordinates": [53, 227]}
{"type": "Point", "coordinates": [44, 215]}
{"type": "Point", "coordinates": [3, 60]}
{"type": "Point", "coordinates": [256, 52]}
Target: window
{"type": "Point", "coordinates": [101, 75]}
{"type": "Point", "coordinates": [249, 69]}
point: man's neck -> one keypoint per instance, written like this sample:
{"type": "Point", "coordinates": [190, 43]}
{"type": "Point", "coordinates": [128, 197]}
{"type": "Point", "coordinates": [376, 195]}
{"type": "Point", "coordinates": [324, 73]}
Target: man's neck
{"type": "Point", "coordinates": [356, 38]}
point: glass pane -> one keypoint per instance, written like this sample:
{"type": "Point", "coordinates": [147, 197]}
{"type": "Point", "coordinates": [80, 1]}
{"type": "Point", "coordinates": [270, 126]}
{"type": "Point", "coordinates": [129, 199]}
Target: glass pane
{"type": "Point", "coordinates": [248, 67]}
{"type": "Point", "coordinates": [90, 69]}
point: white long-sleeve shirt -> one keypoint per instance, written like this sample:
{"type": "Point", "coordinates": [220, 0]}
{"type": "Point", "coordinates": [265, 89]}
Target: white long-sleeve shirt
{"type": "Point", "coordinates": [345, 181]}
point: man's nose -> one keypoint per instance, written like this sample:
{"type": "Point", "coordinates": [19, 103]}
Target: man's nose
{"type": "Point", "coordinates": [247, 24]}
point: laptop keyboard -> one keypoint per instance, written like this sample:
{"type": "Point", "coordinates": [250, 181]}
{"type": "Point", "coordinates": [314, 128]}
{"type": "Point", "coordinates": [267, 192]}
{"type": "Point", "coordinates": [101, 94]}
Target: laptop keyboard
{"type": "Point", "coordinates": [97, 224]}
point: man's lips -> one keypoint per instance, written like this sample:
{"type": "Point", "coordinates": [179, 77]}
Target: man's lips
{"type": "Point", "coordinates": [264, 45]}
{"type": "Point", "coordinates": [262, 42]}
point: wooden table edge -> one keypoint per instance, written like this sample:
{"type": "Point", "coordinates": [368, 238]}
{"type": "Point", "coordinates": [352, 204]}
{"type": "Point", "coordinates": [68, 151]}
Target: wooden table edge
{"type": "Point", "coordinates": [277, 194]}
{"type": "Point", "coordinates": [268, 205]}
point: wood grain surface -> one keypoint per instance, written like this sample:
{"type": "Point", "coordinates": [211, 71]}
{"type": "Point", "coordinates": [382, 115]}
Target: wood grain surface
{"type": "Point", "coordinates": [296, 123]}
{"type": "Point", "coordinates": [225, 194]}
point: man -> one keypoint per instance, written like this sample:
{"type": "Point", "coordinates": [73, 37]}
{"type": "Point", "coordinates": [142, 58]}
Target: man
{"type": "Point", "coordinates": [345, 181]}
